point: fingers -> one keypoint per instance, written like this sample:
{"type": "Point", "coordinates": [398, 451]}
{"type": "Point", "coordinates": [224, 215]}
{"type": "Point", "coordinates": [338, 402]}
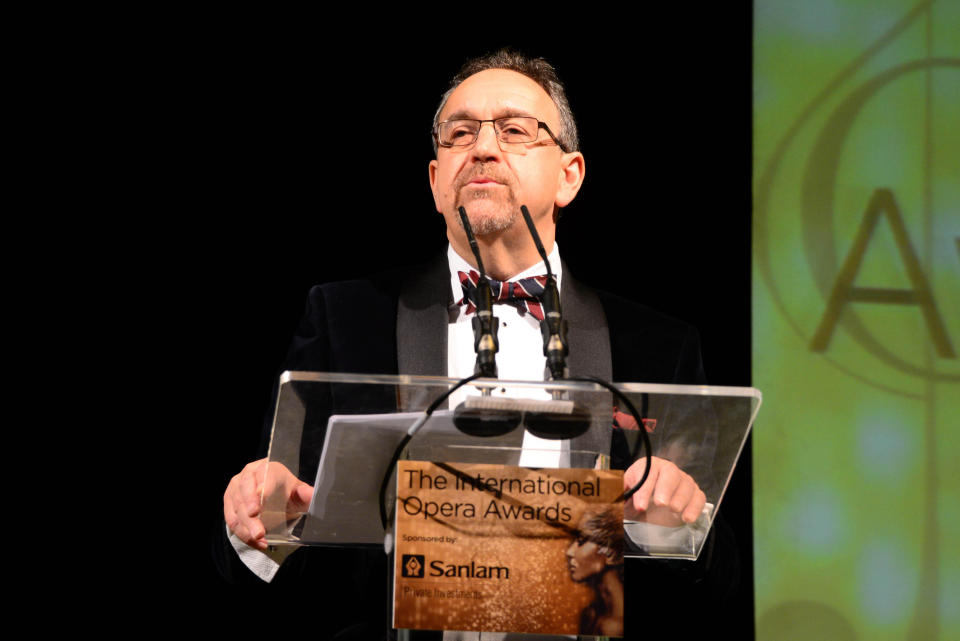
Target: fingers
{"type": "Point", "coordinates": [668, 482]}
{"type": "Point", "coordinates": [641, 499]}
{"type": "Point", "coordinates": [667, 486]}
{"type": "Point", "coordinates": [682, 493]}
{"type": "Point", "coordinates": [272, 496]}
{"type": "Point", "coordinates": [229, 510]}
{"type": "Point", "coordinates": [280, 486]}
{"type": "Point", "coordinates": [695, 507]}
{"type": "Point", "coordinates": [249, 490]}
{"type": "Point", "coordinates": [300, 499]}
{"type": "Point", "coordinates": [241, 505]}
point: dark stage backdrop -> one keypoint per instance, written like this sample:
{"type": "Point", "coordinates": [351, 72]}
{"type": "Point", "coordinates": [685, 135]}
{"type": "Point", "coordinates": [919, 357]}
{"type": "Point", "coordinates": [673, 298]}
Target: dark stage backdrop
{"type": "Point", "coordinates": [267, 190]}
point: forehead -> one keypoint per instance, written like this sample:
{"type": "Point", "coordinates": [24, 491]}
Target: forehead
{"type": "Point", "coordinates": [500, 92]}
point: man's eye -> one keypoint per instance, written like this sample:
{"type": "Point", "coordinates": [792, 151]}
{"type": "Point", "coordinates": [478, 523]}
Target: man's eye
{"type": "Point", "coordinates": [460, 133]}
{"type": "Point", "coordinates": [514, 128]}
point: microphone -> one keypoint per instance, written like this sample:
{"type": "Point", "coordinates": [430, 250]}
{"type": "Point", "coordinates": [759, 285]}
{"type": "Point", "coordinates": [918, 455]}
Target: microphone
{"type": "Point", "coordinates": [553, 328]}
{"type": "Point", "coordinates": [552, 422]}
{"type": "Point", "coordinates": [485, 324]}
{"type": "Point", "coordinates": [471, 419]}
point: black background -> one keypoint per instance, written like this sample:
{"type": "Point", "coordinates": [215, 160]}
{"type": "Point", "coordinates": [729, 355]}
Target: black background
{"type": "Point", "coordinates": [262, 190]}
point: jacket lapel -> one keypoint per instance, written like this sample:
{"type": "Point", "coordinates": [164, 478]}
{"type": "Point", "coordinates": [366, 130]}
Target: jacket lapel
{"type": "Point", "coordinates": [590, 355]}
{"type": "Point", "coordinates": [422, 320]}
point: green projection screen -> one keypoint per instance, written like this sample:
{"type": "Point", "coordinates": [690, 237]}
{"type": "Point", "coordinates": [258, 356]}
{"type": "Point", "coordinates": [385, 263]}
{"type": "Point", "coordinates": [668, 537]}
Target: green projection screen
{"type": "Point", "coordinates": [856, 319]}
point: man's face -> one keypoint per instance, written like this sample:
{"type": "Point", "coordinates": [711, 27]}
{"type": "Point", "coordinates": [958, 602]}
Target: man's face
{"type": "Point", "coordinates": [584, 559]}
{"type": "Point", "coordinates": [491, 182]}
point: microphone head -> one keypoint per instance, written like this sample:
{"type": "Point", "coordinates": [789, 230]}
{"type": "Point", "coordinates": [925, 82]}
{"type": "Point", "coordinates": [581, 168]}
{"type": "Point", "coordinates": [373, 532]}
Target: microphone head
{"type": "Point", "coordinates": [486, 416]}
{"type": "Point", "coordinates": [485, 422]}
{"type": "Point", "coordinates": [558, 425]}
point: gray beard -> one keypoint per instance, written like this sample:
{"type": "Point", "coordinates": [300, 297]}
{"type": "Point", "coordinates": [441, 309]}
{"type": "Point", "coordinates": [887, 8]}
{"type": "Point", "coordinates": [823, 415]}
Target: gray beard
{"type": "Point", "coordinates": [494, 223]}
{"type": "Point", "coordinates": [504, 217]}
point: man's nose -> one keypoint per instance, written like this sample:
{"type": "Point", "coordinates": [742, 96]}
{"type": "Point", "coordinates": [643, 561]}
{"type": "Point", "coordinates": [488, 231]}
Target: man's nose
{"type": "Point", "coordinates": [487, 145]}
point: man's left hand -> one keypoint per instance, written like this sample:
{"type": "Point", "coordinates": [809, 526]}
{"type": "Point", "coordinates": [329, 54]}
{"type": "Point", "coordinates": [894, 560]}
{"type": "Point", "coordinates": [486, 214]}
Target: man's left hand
{"type": "Point", "coordinates": [668, 497]}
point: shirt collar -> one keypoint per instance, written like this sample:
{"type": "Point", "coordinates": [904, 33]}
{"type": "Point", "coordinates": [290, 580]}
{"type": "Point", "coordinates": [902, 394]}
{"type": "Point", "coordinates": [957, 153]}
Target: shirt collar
{"type": "Point", "coordinates": [458, 264]}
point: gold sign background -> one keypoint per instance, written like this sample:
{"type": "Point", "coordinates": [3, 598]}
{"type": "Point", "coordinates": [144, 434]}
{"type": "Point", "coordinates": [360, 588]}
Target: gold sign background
{"type": "Point", "coordinates": [539, 595]}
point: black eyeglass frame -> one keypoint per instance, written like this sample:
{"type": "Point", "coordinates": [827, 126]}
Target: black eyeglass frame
{"type": "Point", "coordinates": [493, 121]}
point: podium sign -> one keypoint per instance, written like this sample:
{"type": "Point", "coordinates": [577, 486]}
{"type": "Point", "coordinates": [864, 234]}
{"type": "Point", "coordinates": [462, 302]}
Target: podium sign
{"type": "Point", "coordinates": [508, 549]}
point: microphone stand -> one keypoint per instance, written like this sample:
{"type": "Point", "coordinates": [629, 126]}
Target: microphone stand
{"type": "Point", "coordinates": [553, 328]}
{"type": "Point", "coordinates": [485, 324]}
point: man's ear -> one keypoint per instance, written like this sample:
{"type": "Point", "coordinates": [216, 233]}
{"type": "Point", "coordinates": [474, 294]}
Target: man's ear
{"type": "Point", "coordinates": [572, 170]}
{"type": "Point", "coordinates": [433, 184]}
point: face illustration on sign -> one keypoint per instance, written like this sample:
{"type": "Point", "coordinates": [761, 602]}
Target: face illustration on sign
{"type": "Point", "coordinates": [584, 559]}
{"type": "Point", "coordinates": [595, 557]}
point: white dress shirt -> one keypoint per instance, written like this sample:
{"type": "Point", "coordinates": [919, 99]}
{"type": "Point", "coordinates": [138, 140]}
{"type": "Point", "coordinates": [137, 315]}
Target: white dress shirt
{"type": "Point", "coordinates": [520, 356]}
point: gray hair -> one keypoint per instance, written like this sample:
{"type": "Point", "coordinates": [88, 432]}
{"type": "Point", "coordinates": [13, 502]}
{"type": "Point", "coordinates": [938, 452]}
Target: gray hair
{"type": "Point", "coordinates": [538, 70]}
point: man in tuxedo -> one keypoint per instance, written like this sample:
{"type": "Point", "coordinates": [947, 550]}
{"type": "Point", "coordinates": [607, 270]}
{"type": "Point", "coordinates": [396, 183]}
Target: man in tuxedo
{"type": "Point", "coordinates": [504, 137]}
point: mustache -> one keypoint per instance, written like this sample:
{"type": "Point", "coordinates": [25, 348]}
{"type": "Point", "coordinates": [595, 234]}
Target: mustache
{"type": "Point", "coordinates": [483, 171]}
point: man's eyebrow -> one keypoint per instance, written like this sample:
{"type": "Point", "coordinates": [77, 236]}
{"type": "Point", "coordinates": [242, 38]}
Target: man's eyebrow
{"type": "Point", "coordinates": [506, 113]}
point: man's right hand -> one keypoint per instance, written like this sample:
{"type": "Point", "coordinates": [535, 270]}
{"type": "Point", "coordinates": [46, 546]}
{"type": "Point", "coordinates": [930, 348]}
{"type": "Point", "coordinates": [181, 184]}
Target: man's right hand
{"type": "Point", "coordinates": [242, 502]}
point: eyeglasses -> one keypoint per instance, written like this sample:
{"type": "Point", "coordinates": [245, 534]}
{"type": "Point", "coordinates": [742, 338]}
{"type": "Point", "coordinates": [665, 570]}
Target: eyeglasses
{"type": "Point", "coordinates": [510, 130]}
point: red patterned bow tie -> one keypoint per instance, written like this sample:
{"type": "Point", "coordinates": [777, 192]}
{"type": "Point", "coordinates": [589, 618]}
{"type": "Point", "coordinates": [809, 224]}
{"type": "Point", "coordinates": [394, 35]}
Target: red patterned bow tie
{"type": "Point", "coordinates": [523, 294]}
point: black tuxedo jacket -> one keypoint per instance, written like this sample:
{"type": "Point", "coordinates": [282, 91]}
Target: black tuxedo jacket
{"type": "Point", "coordinates": [397, 323]}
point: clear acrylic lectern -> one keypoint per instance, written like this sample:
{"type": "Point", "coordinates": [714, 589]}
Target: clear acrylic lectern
{"type": "Point", "coordinates": [338, 432]}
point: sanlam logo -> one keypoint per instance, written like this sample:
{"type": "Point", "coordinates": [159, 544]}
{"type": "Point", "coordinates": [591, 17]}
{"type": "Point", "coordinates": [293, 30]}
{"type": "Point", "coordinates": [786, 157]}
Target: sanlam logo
{"type": "Point", "coordinates": [413, 566]}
